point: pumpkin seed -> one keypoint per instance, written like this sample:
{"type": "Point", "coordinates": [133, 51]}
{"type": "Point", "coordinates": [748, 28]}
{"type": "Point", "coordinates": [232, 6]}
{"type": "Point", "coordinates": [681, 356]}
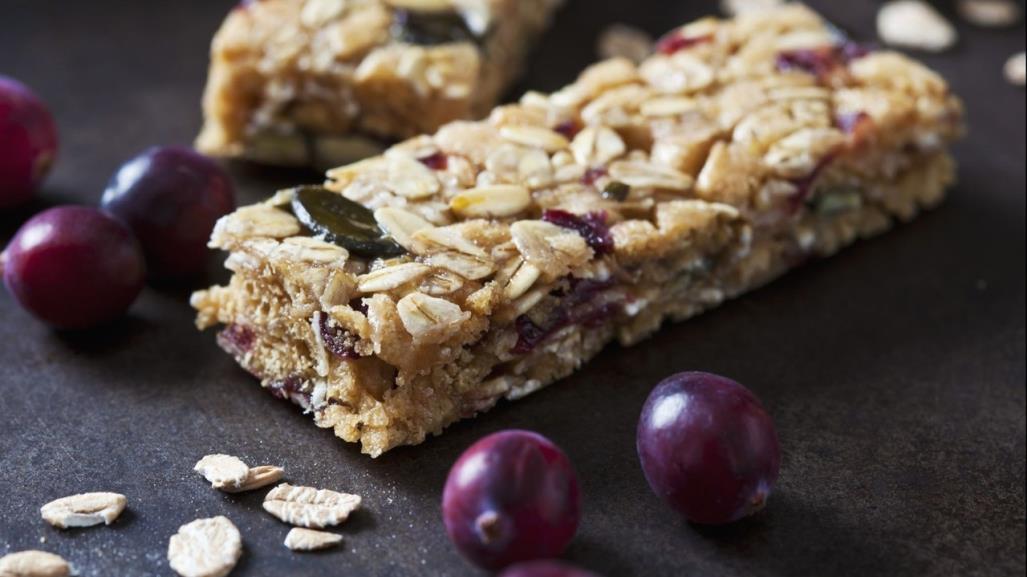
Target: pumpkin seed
{"type": "Point", "coordinates": [616, 191]}
{"type": "Point", "coordinates": [334, 218]}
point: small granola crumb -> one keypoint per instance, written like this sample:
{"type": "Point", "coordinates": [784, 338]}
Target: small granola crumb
{"type": "Point", "coordinates": [300, 539]}
{"type": "Point", "coordinates": [84, 510]}
{"type": "Point", "coordinates": [915, 24]}
{"type": "Point", "coordinates": [1015, 69]}
{"type": "Point", "coordinates": [33, 564]}
{"type": "Point", "coordinates": [990, 13]}
{"type": "Point", "coordinates": [309, 507]}
{"type": "Point", "coordinates": [205, 548]}
{"type": "Point", "coordinates": [623, 41]}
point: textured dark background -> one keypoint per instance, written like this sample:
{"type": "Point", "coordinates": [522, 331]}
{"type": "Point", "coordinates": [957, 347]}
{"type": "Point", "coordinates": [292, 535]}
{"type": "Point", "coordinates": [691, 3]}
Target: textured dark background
{"type": "Point", "coordinates": [895, 371]}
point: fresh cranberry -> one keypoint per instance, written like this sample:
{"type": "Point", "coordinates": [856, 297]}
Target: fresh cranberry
{"type": "Point", "coordinates": [336, 339]}
{"type": "Point", "coordinates": [545, 569]}
{"type": "Point", "coordinates": [591, 226]}
{"type": "Point", "coordinates": [676, 42]}
{"type": "Point", "coordinates": [511, 497]}
{"type": "Point", "coordinates": [436, 161]}
{"type": "Point", "coordinates": [708, 448]}
{"type": "Point", "coordinates": [171, 197]}
{"type": "Point", "coordinates": [28, 142]}
{"type": "Point", "coordinates": [74, 267]}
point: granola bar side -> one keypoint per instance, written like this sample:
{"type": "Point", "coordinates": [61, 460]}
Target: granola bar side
{"type": "Point", "coordinates": [638, 194]}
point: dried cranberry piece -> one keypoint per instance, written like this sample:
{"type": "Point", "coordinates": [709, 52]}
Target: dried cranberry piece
{"type": "Point", "coordinates": [569, 128]}
{"type": "Point", "coordinates": [290, 389]}
{"type": "Point", "coordinates": [529, 335]}
{"type": "Point", "coordinates": [676, 42]}
{"type": "Point", "coordinates": [437, 161]}
{"type": "Point", "coordinates": [592, 175]}
{"type": "Point", "coordinates": [577, 307]}
{"type": "Point", "coordinates": [820, 62]}
{"type": "Point", "coordinates": [591, 226]}
{"type": "Point", "coordinates": [236, 340]}
{"type": "Point", "coordinates": [358, 304]}
{"type": "Point", "coordinates": [337, 340]}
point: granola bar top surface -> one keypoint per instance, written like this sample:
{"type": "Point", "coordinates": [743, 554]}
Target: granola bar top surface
{"type": "Point", "coordinates": [305, 81]}
{"type": "Point", "coordinates": [736, 136]}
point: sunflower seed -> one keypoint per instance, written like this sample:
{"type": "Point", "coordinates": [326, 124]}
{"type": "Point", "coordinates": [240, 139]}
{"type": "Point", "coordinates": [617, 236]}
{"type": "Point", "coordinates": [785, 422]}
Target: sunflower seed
{"type": "Point", "coordinates": [205, 548]}
{"type": "Point", "coordinates": [309, 507]}
{"type": "Point", "coordinates": [84, 510]}
{"type": "Point", "coordinates": [648, 175]}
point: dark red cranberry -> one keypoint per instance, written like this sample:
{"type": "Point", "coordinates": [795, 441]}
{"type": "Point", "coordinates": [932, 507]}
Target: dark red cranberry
{"type": "Point", "coordinates": [545, 569]}
{"type": "Point", "coordinates": [437, 161]}
{"type": "Point", "coordinates": [676, 42]}
{"type": "Point", "coordinates": [337, 340]}
{"type": "Point", "coordinates": [290, 389]}
{"type": "Point", "coordinates": [171, 197]}
{"type": "Point", "coordinates": [708, 448]}
{"type": "Point", "coordinates": [584, 303]}
{"type": "Point", "coordinates": [592, 175]}
{"type": "Point", "coordinates": [28, 142]}
{"type": "Point", "coordinates": [236, 340]}
{"type": "Point", "coordinates": [591, 226]}
{"type": "Point", "coordinates": [74, 267]}
{"type": "Point", "coordinates": [821, 62]}
{"type": "Point", "coordinates": [511, 497]}
{"type": "Point", "coordinates": [568, 128]}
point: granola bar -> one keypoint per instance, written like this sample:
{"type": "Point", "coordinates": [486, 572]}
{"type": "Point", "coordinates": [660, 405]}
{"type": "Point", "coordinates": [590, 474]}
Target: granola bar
{"type": "Point", "coordinates": [321, 82]}
{"type": "Point", "coordinates": [487, 261]}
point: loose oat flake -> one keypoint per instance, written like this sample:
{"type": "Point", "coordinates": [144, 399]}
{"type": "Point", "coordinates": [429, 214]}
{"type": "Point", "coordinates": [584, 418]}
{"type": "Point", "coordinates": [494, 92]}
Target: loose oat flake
{"type": "Point", "coordinates": [915, 24]}
{"type": "Point", "coordinates": [990, 13]}
{"type": "Point", "coordinates": [84, 510]}
{"type": "Point", "coordinates": [205, 548]}
{"type": "Point", "coordinates": [300, 539]}
{"type": "Point", "coordinates": [223, 471]}
{"type": "Point", "coordinates": [1015, 69]}
{"type": "Point", "coordinates": [33, 564]}
{"type": "Point", "coordinates": [258, 478]}
{"type": "Point", "coordinates": [309, 507]}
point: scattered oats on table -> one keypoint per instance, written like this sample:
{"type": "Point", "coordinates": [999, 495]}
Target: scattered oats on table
{"type": "Point", "coordinates": [309, 507]}
{"type": "Point", "coordinates": [1016, 69]}
{"type": "Point", "coordinates": [231, 475]}
{"type": "Point", "coordinates": [205, 548]}
{"type": "Point", "coordinates": [300, 539]}
{"type": "Point", "coordinates": [33, 564]}
{"type": "Point", "coordinates": [990, 13]}
{"type": "Point", "coordinates": [84, 510]}
{"type": "Point", "coordinates": [916, 25]}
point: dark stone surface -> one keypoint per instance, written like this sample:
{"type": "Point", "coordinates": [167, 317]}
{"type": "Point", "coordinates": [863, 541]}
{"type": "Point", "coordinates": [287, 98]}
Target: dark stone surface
{"type": "Point", "coordinates": [895, 371]}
